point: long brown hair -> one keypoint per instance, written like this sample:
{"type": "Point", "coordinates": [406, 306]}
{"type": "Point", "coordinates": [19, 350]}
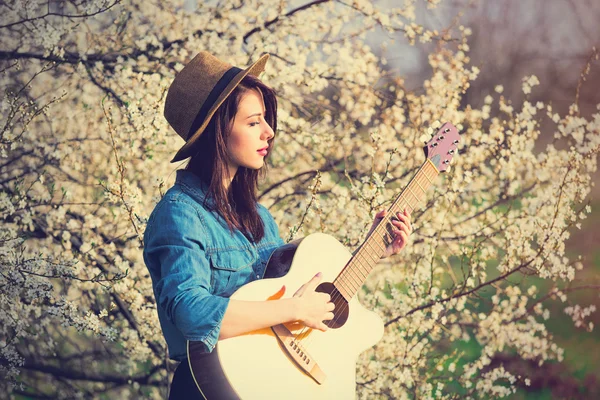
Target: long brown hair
{"type": "Point", "coordinates": [238, 205]}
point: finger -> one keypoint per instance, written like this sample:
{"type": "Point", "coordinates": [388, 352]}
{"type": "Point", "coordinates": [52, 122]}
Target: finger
{"type": "Point", "coordinates": [300, 291]}
{"type": "Point", "coordinates": [396, 247]}
{"type": "Point", "coordinates": [326, 297]}
{"type": "Point", "coordinates": [408, 219]}
{"type": "Point", "coordinates": [405, 219]}
{"type": "Point", "coordinates": [398, 223]}
{"type": "Point", "coordinates": [402, 239]}
{"type": "Point", "coordinates": [313, 283]}
{"type": "Point", "coordinates": [322, 327]}
{"type": "Point", "coordinates": [330, 306]}
{"type": "Point", "coordinates": [400, 227]}
{"type": "Point", "coordinates": [328, 316]}
{"type": "Point", "coordinates": [378, 217]}
{"type": "Point", "coordinates": [380, 214]}
{"type": "Point", "coordinates": [402, 217]}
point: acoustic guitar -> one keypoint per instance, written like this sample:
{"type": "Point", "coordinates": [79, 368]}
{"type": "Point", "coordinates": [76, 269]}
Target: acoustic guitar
{"type": "Point", "coordinates": [291, 361]}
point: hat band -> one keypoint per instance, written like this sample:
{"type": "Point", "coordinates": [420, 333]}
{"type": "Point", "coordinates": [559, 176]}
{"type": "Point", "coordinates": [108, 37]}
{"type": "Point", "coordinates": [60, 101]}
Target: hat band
{"type": "Point", "coordinates": [212, 98]}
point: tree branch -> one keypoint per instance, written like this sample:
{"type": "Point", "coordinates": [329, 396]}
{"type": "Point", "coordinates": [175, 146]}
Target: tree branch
{"type": "Point", "coordinates": [276, 19]}
{"type": "Point", "coordinates": [49, 14]}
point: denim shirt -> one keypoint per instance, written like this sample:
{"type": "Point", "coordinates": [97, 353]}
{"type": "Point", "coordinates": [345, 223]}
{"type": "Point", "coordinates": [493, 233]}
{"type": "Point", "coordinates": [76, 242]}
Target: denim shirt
{"type": "Point", "coordinates": [196, 263]}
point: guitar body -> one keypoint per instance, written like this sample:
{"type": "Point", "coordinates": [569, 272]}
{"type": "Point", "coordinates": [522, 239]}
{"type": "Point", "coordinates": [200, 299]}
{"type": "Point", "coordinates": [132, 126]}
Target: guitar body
{"type": "Point", "coordinates": [255, 364]}
{"type": "Point", "coordinates": [290, 361]}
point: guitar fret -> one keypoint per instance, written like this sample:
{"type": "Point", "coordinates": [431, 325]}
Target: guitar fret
{"type": "Point", "coordinates": [426, 178]}
{"type": "Point", "coordinates": [386, 238]}
{"type": "Point", "coordinates": [359, 265]}
{"type": "Point", "coordinates": [408, 206]}
{"type": "Point", "coordinates": [411, 192]}
{"type": "Point", "coordinates": [379, 236]}
{"type": "Point", "coordinates": [354, 284]}
{"type": "Point", "coordinates": [360, 272]}
{"type": "Point", "coordinates": [419, 185]}
{"type": "Point", "coordinates": [349, 291]}
{"type": "Point", "coordinates": [377, 248]}
{"type": "Point", "coordinates": [365, 248]}
{"type": "Point", "coordinates": [391, 234]}
{"type": "Point", "coordinates": [429, 179]}
{"type": "Point", "coordinates": [343, 284]}
{"type": "Point", "coordinates": [381, 248]}
{"type": "Point", "coordinates": [341, 289]}
{"type": "Point", "coordinates": [390, 230]}
{"type": "Point", "coordinates": [371, 256]}
{"type": "Point", "coordinates": [351, 276]}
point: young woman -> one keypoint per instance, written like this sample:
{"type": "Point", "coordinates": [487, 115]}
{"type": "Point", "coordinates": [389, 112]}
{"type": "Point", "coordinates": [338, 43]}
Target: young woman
{"type": "Point", "coordinates": [208, 235]}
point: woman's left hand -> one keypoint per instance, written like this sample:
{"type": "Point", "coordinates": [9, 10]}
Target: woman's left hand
{"type": "Point", "coordinates": [402, 230]}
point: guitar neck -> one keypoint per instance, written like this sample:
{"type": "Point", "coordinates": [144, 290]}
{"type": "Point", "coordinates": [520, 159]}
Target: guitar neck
{"type": "Point", "coordinates": [355, 273]}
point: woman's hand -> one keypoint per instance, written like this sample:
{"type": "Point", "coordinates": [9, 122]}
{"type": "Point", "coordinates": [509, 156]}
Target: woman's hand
{"type": "Point", "coordinates": [402, 230]}
{"type": "Point", "coordinates": [314, 307]}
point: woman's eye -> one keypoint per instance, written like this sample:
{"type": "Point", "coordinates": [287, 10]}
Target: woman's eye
{"type": "Point", "coordinates": [253, 123]}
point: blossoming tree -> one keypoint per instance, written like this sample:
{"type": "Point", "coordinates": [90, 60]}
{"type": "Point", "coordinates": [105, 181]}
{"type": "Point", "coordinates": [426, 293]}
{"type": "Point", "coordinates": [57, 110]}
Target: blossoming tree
{"type": "Point", "coordinates": [85, 155]}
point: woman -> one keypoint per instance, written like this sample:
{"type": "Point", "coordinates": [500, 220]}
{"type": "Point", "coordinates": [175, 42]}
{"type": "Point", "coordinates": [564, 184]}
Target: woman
{"type": "Point", "coordinates": [208, 235]}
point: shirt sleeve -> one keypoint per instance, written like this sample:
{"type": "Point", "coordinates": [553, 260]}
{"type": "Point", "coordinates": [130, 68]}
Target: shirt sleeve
{"type": "Point", "coordinates": [177, 244]}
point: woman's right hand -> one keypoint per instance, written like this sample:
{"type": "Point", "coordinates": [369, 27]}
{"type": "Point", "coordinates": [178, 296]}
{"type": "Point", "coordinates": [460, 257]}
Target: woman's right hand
{"type": "Point", "coordinates": [314, 307]}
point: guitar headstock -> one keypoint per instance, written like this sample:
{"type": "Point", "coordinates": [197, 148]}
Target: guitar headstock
{"type": "Point", "coordinates": [442, 146]}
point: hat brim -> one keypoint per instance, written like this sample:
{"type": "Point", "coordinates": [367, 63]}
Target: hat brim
{"type": "Point", "coordinates": [255, 69]}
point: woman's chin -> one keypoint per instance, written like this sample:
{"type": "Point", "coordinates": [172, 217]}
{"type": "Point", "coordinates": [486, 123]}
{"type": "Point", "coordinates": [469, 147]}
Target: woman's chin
{"type": "Point", "coordinates": [256, 166]}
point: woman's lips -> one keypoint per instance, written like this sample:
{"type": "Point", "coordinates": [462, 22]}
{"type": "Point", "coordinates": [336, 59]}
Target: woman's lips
{"type": "Point", "coordinates": [263, 152]}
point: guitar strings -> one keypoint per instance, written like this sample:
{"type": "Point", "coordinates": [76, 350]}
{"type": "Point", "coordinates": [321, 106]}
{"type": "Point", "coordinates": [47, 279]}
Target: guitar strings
{"type": "Point", "coordinates": [414, 180]}
{"type": "Point", "coordinates": [306, 340]}
{"type": "Point", "coordinates": [381, 226]}
{"type": "Point", "coordinates": [381, 229]}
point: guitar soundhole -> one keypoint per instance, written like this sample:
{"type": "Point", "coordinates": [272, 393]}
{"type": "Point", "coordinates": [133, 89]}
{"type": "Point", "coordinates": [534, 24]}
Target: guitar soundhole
{"type": "Point", "coordinates": [340, 313]}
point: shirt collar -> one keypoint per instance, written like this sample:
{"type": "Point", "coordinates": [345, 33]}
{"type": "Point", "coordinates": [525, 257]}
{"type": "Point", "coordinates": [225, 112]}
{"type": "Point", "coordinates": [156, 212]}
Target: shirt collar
{"type": "Point", "coordinates": [192, 184]}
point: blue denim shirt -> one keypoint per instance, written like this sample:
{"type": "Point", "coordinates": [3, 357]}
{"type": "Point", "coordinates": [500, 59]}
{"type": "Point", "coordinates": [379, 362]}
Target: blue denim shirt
{"type": "Point", "coordinates": [196, 263]}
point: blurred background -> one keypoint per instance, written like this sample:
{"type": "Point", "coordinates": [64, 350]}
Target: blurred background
{"type": "Point", "coordinates": [554, 40]}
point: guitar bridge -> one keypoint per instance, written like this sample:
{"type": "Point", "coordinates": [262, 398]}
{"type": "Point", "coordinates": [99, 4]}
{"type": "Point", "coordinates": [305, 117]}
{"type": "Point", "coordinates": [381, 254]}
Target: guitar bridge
{"type": "Point", "coordinates": [298, 353]}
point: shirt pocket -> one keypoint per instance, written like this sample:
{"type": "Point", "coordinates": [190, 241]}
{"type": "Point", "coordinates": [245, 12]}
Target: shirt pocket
{"type": "Point", "coordinates": [230, 269]}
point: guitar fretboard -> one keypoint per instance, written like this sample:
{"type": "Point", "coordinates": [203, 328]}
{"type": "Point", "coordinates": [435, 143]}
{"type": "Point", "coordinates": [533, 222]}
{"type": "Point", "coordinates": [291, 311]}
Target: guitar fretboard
{"type": "Point", "coordinates": [355, 273]}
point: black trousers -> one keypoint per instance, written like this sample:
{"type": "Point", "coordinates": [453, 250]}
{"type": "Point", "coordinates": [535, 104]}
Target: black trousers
{"type": "Point", "coordinates": [210, 377]}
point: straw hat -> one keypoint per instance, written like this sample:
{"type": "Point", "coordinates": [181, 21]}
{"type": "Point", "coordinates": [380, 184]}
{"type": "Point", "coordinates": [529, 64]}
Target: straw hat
{"type": "Point", "coordinates": [196, 93]}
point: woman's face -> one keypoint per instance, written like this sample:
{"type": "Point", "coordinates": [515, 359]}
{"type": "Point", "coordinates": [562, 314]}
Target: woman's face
{"type": "Point", "coordinates": [247, 143]}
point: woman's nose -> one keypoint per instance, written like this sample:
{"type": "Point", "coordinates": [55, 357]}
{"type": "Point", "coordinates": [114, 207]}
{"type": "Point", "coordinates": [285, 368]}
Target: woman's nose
{"type": "Point", "coordinates": [267, 131]}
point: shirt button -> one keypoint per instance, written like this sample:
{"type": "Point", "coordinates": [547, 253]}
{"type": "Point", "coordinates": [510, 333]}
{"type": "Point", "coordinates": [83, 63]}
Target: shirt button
{"type": "Point", "coordinates": [257, 276]}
